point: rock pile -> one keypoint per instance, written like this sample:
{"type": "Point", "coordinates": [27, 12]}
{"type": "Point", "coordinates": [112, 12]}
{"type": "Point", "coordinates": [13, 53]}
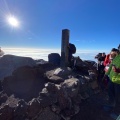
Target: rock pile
{"type": "Point", "coordinates": [45, 93]}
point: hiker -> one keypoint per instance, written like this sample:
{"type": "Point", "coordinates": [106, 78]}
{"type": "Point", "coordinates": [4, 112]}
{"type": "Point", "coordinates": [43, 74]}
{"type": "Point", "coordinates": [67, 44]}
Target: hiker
{"type": "Point", "coordinates": [107, 61]}
{"type": "Point", "coordinates": [100, 67]}
{"type": "Point", "coordinates": [114, 82]}
{"type": "Point", "coordinates": [100, 57]}
{"type": "Point", "coordinates": [109, 57]}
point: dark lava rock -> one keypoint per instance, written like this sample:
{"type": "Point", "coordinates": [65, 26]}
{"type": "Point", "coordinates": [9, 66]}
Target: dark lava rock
{"type": "Point", "coordinates": [25, 82]}
{"type": "Point", "coordinates": [20, 112]}
{"type": "Point", "coordinates": [0, 86]}
{"type": "Point", "coordinates": [8, 63]}
{"type": "Point", "coordinates": [6, 113]}
{"type": "Point", "coordinates": [47, 114]}
{"type": "Point", "coordinates": [33, 108]}
{"type": "Point", "coordinates": [3, 97]}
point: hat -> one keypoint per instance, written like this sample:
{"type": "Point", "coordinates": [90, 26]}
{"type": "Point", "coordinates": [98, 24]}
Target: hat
{"type": "Point", "coordinates": [114, 50]}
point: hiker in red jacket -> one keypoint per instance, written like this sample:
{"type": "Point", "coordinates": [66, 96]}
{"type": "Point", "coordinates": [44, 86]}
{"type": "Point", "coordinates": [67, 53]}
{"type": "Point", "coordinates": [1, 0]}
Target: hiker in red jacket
{"type": "Point", "coordinates": [109, 58]}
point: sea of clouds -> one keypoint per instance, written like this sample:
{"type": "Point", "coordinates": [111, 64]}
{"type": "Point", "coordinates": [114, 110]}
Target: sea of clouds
{"type": "Point", "coordinates": [43, 53]}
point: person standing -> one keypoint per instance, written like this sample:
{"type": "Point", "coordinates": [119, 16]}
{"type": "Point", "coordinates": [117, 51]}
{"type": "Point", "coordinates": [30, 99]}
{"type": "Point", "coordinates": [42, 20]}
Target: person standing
{"type": "Point", "coordinates": [114, 82]}
{"type": "Point", "coordinates": [107, 61]}
{"type": "Point", "coordinates": [100, 68]}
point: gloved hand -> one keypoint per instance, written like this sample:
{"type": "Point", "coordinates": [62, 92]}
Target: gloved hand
{"type": "Point", "coordinates": [117, 70]}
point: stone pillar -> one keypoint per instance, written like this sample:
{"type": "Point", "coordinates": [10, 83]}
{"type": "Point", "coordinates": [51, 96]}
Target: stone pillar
{"type": "Point", "coordinates": [64, 47]}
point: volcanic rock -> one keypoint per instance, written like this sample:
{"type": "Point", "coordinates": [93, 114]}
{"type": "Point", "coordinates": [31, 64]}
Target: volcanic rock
{"type": "Point", "coordinates": [8, 63]}
{"type": "Point", "coordinates": [20, 112]}
{"type": "Point", "coordinates": [44, 91]}
{"type": "Point", "coordinates": [48, 114]}
{"type": "Point", "coordinates": [25, 82]}
{"type": "Point", "coordinates": [6, 113]}
{"type": "Point", "coordinates": [58, 75]}
{"type": "Point", "coordinates": [53, 78]}
{"type": "Point", "coordinates": [33, 108]}
{"type": "Point", "coordinates": [3, 97]}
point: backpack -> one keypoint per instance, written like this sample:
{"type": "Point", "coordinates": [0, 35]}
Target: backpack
{"type": "Point", "coordinates": [54, 58]}
{"type": "Point", "coordinates": [72, 48]}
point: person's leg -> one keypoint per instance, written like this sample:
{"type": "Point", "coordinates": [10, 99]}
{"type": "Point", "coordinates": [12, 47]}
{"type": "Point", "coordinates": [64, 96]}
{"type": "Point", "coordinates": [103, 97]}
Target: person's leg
{"type": "Point", "coordinates": [105, 82]}
{"type": "Point", "coordinates": [102, 83]}
{"type": "Point", "coordinates": [98, 76]}
{"type": "Point", "coordinates": [110, 103]}
{"type": "Point", "coordinates": [111, 93]}
{"type": "Point", "coordinates": [117, 93]}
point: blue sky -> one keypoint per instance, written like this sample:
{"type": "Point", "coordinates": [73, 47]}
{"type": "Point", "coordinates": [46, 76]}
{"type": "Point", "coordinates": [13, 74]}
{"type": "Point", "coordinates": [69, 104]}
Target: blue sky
{"type": "Point", "coordinates": [93, 24]}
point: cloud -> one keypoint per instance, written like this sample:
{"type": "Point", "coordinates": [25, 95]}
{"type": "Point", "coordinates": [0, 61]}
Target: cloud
{"type": "Point", "coordinates": [43, 53]}
{"type": "Point", "coordinates": [89, 54]}
{"type": "Point", "coordinates": [33, 53]}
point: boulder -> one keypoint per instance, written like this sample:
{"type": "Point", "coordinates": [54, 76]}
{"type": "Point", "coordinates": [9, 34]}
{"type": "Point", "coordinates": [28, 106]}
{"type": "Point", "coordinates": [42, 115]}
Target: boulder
{"type": "Point", "coordinates": [8, 63]}
{"type": "Point", "coordinates": [25, 82]}
{"type": "Point", "coordinates": [20, 112]}
{"type": "Point", "coordinates": [3, 97]}
{"type": "Point", "coordinates": [6, 113]}
{"type": "Point", "coordinates": [47, 114]}
{"type": "Point", "coordinates": [80, 65]}
{"type": "Point", "coordinates": [34, 108]}
{"type": "Point", "coordinates": [62, 72]}
{"type": "Point", "coordinates": [71, 86]}
{"type": "Point", "coordinates": [53, 78]}
{"type": "Point", "coordinates": [58, 75]}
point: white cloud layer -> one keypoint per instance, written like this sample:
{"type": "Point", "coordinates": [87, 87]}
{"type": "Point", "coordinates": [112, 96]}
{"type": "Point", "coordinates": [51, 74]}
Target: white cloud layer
{"type": "Point", "coordinates": [33, 53]}
{"type": "Point", "coordinates": [43, 53]}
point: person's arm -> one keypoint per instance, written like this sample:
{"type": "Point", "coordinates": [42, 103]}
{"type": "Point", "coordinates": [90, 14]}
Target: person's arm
{"type": "Point", "coordinates": [117, 70]}
{"type": "Point", "coordinates": [108, 72]}
{"type": "Point", "coordinates": [117, 63]}
{"type": "Point", "coordinates": [106, 61]}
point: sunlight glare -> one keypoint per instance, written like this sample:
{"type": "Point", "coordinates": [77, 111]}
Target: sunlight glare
{"type": "Point", "coordinates": [13, 21]}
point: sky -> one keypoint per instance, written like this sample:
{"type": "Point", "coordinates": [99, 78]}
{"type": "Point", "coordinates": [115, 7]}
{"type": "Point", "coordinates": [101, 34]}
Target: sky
{"type": "Point", "coordinates": [94, 24]}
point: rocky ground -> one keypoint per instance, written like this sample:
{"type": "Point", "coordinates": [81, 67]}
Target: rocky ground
{"type": "Point", "coordinates": [92, 109]}
{"type": "Point", "coordinates": [44, 91]}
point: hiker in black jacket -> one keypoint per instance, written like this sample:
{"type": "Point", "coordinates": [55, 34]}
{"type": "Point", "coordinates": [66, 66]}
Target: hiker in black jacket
{"type": "Point", "coordinates": [100, 67]}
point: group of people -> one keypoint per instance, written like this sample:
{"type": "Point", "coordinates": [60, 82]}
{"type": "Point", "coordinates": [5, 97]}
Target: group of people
{"type": "Point", "coordinates": [108, 68]}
